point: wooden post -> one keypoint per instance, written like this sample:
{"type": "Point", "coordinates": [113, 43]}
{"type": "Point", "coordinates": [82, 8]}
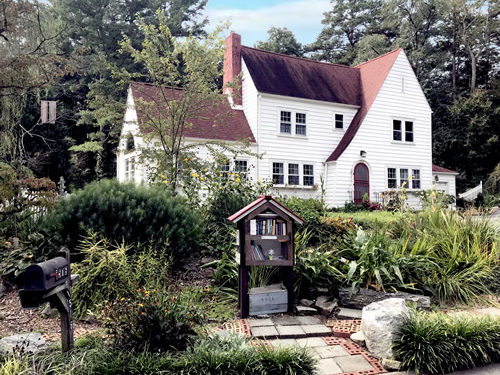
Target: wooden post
{"type": "Point", "coordinates": [244, 305]}
{"type": "Point", "coordinates": [289, 286]}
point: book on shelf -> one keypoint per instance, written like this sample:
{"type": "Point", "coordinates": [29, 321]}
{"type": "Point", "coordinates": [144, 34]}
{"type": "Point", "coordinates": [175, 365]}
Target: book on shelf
{"type": "Point", "coordinates": [273, 227]}
{"type": "Point", "coordinates": [256, 252]}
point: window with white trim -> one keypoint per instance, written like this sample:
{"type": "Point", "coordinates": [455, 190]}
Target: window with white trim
{"type": "Point", "coordinates": [395, 179]}
{"type": "Point", "coordinates": [392, 180]}
{"type": "Point", "coordinates": [339, 121]}
{"type": "Point", "coordinates": [293, 174]}
{"type": "Point", "coordinates": [129, 169]}
{"type": "Point", "coordinates": [224, 170]}
{"type": "Point", "coordinates": [308, 175]}
{"type": "Point", "coordinates": [300, 123]}
{"type": "Point", "coordinates": [278, 174]}
{"type": "Point", "coordinates": [293, 123]}
{"type": "Point", "coordinates": [241, 167]}
{"type": "Point", "coordinates": [415, 181]}
{"type": "Point", "coordinates": [403, 176]}
{"type": "Point", "coordinates": [408, 131]}
{"type": "Point", "coordinates": [286, 122]}
{"type": "Point", "coordinates": [402, 131]}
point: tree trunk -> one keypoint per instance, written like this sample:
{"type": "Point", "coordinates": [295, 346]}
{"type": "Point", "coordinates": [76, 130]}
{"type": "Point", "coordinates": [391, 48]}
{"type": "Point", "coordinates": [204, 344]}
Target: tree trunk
{"type": "Point", "coordinates": [473, 67]}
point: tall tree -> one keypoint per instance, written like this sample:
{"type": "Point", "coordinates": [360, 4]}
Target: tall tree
{"type": "Point", "coordinates": [30, 60]}
{"type": "Point", "coordinates": [281, 40]}
{"type": "Point", "coordinates": [345, 25]}
{"type": "Point", "coordinates": [95, 28]}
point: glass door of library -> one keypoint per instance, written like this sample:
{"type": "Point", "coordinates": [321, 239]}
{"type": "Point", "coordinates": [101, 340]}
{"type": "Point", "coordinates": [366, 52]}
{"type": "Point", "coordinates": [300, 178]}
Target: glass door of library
{"type": "Point", "coordinates": [361, 182]}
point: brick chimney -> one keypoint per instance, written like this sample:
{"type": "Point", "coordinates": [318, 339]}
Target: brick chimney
{"type": "Point", "coordinates": [232, 63]}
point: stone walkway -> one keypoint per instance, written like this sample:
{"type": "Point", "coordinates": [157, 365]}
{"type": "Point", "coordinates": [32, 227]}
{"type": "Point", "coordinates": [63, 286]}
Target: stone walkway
{"type": "Point", "coordinates": [335, 355]}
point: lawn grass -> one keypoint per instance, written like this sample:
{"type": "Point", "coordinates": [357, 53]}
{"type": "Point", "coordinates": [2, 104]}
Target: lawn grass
{"type": "Point", "coordinates": [368, 219]}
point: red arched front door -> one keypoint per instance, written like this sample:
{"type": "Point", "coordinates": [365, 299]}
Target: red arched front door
{"type": "Point", "coordinates": [361, 182]}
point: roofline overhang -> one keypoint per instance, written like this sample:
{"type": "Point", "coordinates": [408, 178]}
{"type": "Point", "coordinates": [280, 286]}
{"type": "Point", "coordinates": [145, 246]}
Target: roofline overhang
{"type": "Point", "coordinates": [296, 98]}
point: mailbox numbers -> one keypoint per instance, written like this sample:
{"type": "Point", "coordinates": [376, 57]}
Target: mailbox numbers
{"type": "Point", "coordinates": [60, 273]}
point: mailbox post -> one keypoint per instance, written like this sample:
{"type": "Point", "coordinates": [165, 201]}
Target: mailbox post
{"type": "Point", "coordinates": [51, 282]}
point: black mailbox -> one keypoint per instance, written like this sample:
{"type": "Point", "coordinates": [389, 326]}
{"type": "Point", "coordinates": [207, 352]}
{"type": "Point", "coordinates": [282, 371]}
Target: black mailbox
{"type": "Point", "coordinates": [46, 275]}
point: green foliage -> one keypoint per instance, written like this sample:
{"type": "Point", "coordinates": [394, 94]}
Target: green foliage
{"type": "Point", "coordinates": [209, 356]}
{"type": "Point", "coordinates": [154, 320]}
{"type": "Point", "coordinates": [109, 272]}
{"type": "Point", "coordinates": [125, 212]}
{"type": "Point", "coordinates": [492, 184]}
{"type": "Point", "coordinates": [435, 343]}
{"type": "Point", "coordinates": [233, 355]}
{"type": "Point", "coordinates": [377, 261]}
{"type": "Point", "coordinates": [435, 199]}
{"type": "Point", "coordinates": [281, 40]}
{"type": "Point", "coordinates": [368, 219]}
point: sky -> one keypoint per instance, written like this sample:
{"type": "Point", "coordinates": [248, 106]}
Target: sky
{"type": "Point", "coordinates": [252, 18]}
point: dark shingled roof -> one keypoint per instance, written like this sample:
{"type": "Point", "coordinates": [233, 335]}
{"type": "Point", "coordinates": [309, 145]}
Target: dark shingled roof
{"type": "Point", "coordinates": [437, 168]}
{"type": "Point", "coordinates": [278, 74]}
{"type": "Point", "coordinates": [220, 122]}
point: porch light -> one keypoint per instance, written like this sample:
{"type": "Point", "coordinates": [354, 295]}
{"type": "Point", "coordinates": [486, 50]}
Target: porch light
{"type": "Point", "coordinates": [362, 154]}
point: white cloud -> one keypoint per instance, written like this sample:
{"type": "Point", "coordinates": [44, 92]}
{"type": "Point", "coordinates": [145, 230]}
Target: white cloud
{"type": "Point", "coordinates": [303, 17]}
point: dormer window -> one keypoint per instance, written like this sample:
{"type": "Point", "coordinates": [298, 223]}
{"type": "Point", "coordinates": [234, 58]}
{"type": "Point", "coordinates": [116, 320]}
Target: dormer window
{"type": "Point", "coordinates": [339, 121]}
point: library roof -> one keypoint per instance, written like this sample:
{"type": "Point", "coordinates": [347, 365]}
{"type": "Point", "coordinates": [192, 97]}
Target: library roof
{"type": "Point", "coordinates": [245, 211]}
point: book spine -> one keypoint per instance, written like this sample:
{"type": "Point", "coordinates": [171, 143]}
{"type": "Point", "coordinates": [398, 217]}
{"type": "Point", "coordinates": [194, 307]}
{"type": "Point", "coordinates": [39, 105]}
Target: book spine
{"type": "Point", "coordinates": [253, 227]}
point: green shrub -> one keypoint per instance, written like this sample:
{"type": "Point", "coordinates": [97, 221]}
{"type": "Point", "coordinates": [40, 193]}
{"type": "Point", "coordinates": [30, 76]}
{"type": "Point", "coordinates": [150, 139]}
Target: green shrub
{"type": "Point", "coordinates": [435, 343]}
{"type": "Point", "coordinates": [109, 272]}
{"type": "Point", "coordinates": [233, 355]}
{"type": "Point", "coordinates": [125, 212]}
{"type": "Point", "coordinates": [154, 320]}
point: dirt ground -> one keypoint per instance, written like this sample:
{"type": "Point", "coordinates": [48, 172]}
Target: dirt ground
{"type": "Point", "coordinates": [14, 319]}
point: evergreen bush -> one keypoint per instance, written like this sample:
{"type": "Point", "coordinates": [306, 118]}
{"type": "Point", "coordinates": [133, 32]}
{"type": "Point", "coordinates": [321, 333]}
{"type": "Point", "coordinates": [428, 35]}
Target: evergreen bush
{"type": "Point", "coordinates": [436, 343]}
{"type": "Point", "coordinates": [125, 212]}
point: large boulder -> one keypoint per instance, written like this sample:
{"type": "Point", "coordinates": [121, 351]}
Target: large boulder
{"type": "Point", "coordinates": [23, 343]}
{"type": "Point", "coordinates": [379, 323]}
{"type": "Point", "coordinates": [366, 296]}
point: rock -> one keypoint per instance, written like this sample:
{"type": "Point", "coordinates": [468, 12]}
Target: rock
{"type": "Point", "coordinates": [379, 323]}
{"type": "Point", "coordinates": [366, 296]}
{"type": "Point", "coordinates": [306, 302]}
{"type": "Point", "coordinates": [345, 313]}
{"type": "Point", "coordinates": [306, 310]}
{"type": "Point", "coordinates": [23, 343]}
{"type": "Point", "coordinates": [358, 338]}
{"type": "Point", "coordinates": [49, 312]}
{"type": "Point", "coordinates": [322, 290]}
{"type": "Point", "coordinates": [326, 305]}
{"type": "Point", "coordinates": [391, 364]}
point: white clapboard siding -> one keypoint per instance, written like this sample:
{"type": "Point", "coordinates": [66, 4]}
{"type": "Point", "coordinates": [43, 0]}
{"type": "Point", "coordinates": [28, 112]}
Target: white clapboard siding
{"type": "Point", "coordinates": [249, 98]}
{"type": "Point", "coordinates": [400, 97]}
{"type": "Point", "coordinates": [314, 148]}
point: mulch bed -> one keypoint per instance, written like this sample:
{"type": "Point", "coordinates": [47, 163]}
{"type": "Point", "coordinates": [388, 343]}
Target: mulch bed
{"type": "Point", "coordinates": [14, 319]}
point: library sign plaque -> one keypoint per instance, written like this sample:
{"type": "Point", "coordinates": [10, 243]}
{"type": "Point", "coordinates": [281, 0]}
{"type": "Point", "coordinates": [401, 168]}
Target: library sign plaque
{"type": "Point", "coordinates": [266, 238]}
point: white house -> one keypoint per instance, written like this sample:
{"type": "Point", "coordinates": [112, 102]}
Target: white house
{"type": "Point", "coordinates": [322, 130]}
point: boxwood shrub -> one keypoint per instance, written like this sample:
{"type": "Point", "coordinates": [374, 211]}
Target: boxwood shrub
{"type": "Point", "coordinates": [125, 212]}
{"type": "Point", "coordinates": [437, 343]}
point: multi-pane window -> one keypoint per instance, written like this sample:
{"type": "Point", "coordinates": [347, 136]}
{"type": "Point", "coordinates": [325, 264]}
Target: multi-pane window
{"type": "Point", "coordinates": [286, 122]}
{"type": "Point", "coordinates": [129, 169]}
{"type": "Point", "coordinates": [415, 182]}
{"type": "Point", "coordinates": [403, 176]}
{"type": "Point", "coordinates": [241, 167]}
{"type": "Point", "coordinates": [224, 170]}
{"type": "Point", "coordinates": [408, 131]}
{"type": "Point", "coordinates": [396, 130]}
{"type": "Point", "coordinates": [300, 123]}
{"type": "Point", "coordinates": [339, 121]}
{"type": "Point", "coordinates": [392, 180]}
{"type": "Point", "coordinates": [278, 174]}
{"type": "Point", "coordinates": [293, 174]}
{"type": "Point", "coordinates": [308, 175]}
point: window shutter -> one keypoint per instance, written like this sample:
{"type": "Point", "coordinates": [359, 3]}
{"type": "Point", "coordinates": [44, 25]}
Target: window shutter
{"type": "Point", "coordinates": [44, 111]}
{"type": "Point", "coordinates": [52, 112]}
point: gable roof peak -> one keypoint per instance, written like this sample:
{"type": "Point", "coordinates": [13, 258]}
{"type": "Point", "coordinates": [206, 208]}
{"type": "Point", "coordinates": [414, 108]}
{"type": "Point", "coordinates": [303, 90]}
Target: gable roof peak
{"type": "Point", "coordinates": [379, 57]}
